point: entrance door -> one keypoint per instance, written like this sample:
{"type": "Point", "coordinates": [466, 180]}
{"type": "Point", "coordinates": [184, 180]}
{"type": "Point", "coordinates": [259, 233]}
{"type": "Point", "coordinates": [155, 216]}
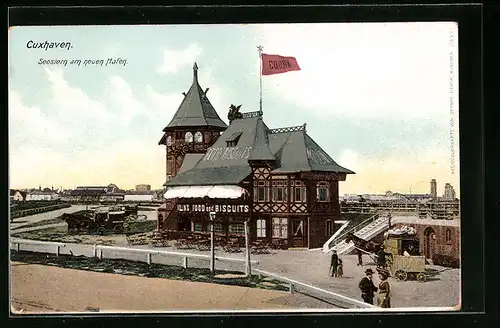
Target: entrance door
{"type": "Point", "coordinates": [430, 242]}
{"type": "Point", "coordinates": [298, 233]}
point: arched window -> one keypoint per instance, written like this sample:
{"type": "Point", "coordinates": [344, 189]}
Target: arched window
{"type": "Point", "coordinates": [448, 235]}
{"type": "Point", "coordinates": [323, 192]}
{"type": "Point", "coordinates": [188, 137]}
{"type": "Point", "coordinates": [169, 141]}
{"type": "Point", "coordinates": [198, 137]}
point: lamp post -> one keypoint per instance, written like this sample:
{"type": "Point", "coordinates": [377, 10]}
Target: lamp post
{"type": "Point", "coordinates": [247, 246]}
{"type": "Point", "coordinates": [212, 243]}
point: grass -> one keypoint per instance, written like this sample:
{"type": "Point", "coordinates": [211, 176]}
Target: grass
{"type": "Point", "coordinates": [132, 268]}
{"type": "Point", "coordinates": [60, 234]}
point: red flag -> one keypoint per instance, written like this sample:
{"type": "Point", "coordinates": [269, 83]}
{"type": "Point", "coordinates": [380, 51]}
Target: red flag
{"type": "Point", "coordinates": [274, 64]}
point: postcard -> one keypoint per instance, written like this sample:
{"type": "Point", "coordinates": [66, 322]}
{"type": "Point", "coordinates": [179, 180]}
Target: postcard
{"type": "Point", "coordinates": [238, 168]}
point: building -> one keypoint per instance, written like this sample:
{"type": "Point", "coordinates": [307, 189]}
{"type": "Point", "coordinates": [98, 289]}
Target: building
{"type": "Point", "coordinates": [439, 240]}
{"type": "Point", "coordinates": [38, 195]}
{"type": "Point", "coordinates": [143, 197]}
{"type": "Point", "coordinates": [449, 192]}
{"type": "Point", "coordinates": [433, 189]}
{"type": "Point", "coordinates": [279, 180]}
{"type": "Point", "coordinates": [17, 195]}
{"type": "Point", "coordinates": [142, 187]}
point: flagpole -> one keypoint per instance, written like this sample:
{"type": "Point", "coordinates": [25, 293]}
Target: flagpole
{"type": "Point", "coordinates": [259, 48]}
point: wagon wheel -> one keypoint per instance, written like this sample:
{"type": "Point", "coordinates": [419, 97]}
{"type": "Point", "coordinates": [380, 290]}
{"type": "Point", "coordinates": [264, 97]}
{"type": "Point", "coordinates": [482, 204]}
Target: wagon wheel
{"type": "Point", "coordinates": [421, 277]}
{"type": "Point", "coordinates": [101, 231]}
{"type": "Point", "coordinates": [118, 228]}
{"type": "Point", "coordinates": [401, 275]}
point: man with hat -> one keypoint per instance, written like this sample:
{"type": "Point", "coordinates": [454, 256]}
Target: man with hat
{"type": "Point", "coordinates": [384, 289]}
{"type": "Point", "coordinates": [367, 287]}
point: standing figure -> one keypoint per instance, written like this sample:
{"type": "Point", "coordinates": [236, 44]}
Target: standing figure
{"type": "Point", "coordinates": [384, 289]}
{"type": "Point", "coordinates": [381, 260]}
{"type": "Point", "coordinates": [340, 269]}
{"type": "Point", "coordinates": [333, 263]}
{"type": "Point", "coordinates": [368, 289]}
{"type": "Point", "coordinates": [360, 258]}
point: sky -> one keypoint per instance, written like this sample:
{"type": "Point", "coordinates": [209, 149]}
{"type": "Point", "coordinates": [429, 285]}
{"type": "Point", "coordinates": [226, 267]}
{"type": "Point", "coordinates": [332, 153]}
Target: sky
{"type": "Point", "coordinates": [380, 98]}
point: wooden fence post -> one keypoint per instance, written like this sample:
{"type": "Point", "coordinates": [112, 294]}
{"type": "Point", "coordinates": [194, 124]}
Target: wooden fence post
{"type": "Point", "coordinates": [149, 258]}
{"type": "Point", "coordinates": [100, 254]}
{"type": "Point", "coordinates": [18, 246]}
{"type": "Point", "coordinates": [291, 288]}
{"type": "Point", "coordinates": [95, 251]}
{"type": "Point", "coordinates": [58, 250]}
{"type": "Point", "coordinates": [185, 262]}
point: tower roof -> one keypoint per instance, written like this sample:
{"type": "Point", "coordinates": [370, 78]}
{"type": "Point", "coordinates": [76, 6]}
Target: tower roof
{"type": "Point", "coordinates": [195, 108]}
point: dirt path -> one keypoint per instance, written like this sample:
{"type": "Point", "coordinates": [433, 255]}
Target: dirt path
{"type": "Point", "coordinates": [42, 289]}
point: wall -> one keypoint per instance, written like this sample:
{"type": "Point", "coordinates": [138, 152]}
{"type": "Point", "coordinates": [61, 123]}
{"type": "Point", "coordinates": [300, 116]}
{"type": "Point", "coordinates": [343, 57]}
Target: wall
{"type": "Point", "coordinates": [449, 248]}
{"type": "Point", "coordinates": [138, 198]}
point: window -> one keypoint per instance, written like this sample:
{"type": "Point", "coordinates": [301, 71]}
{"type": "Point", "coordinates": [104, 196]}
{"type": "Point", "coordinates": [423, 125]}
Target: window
{"type": "Point", "coordinates": [237, 229]}
{"type": "Point", "coordinates": [260, 192]}
{"type": "Point", "coordinates": [198, 227]}
{"type": "Point", "coordinates": [169, 141]}
{"type": "Point", "coordinates": [323, 192]}
{"type": "Point", "coordinates": [329, 227]}
{"type": "Point", "coordinates": [198, 137]}
{"type": "Point", "coordinates": [188, 137]}
{"type": "Point", "coordinates": [233, 139]}
{"type": "Point", "coordinates": [261, 228]}
{"type": "Point", "coordinates": [218, 228]}
{"type": "Point", "coordinates": [279, 191]}
{"type": "Point", "coordinates": [448, 235]}
{"type": "Point", "coordinates": [280, 228]}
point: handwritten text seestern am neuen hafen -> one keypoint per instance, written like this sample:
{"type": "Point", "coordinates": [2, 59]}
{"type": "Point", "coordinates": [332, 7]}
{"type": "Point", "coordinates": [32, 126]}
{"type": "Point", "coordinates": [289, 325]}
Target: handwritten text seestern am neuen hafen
{"type": "Point", "coordinates": [48, 45]}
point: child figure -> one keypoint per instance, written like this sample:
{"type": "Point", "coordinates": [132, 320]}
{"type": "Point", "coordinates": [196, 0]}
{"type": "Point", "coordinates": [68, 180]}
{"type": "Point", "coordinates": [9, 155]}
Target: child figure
{"type": "Point", "coordinates": [340, 269]}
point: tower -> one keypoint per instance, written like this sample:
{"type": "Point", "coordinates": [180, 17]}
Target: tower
{"type": "Point", "coordinates": [433, 189]}
{"type": "Point", "coordinates": [193, 129]}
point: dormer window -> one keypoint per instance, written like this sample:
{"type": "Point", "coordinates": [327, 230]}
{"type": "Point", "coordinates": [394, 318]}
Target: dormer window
{"type": "Point", "coordinates": [232, 141]}
{"type": "Point", "coordinates": [198, 137]}
{"type": "Point", "coordinates": [188, 137]}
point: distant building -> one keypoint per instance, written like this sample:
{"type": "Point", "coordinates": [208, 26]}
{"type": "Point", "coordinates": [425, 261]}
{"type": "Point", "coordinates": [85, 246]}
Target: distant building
{"type": "Point", "coordinates": [449, 192]}
{"type": "Point", "coordinates": [17, 195]}
{"type": "Point", "coordinates": [143, 187]}
{"type": "Point", "coordinates": [38, 195]}
{"type": "Point", "coordinates": [433, 189]}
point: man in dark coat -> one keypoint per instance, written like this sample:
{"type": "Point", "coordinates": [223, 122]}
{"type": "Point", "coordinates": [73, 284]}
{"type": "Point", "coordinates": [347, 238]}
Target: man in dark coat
{"type": "Point", "coordinates": [333, 263]}
{"type": "Point", "coordinates": [367, 287]}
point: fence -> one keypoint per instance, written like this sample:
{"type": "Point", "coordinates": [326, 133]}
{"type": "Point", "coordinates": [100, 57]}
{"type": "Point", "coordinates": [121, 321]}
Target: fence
{"type": "Point", "coordinates": [98, 251]}
{"type": "Point", "coordinates": [349, 302]}
{"type": "Point", "coordinates": [36, 210]}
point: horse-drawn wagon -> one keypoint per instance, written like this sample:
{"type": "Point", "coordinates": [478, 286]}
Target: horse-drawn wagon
{"type": "Point", "coordinates": [403, 257]}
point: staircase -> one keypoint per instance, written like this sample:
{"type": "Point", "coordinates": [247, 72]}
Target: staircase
{"type": "Point", "coordinates": [367, 232]}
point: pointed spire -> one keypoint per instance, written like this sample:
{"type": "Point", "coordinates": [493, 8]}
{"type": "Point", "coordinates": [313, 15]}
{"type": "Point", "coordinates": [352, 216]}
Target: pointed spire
{"type": "Point", "coordinates": [195, 72]}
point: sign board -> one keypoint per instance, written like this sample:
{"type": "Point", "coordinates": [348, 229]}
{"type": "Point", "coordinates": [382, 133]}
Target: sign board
{"type": "Point", "coordinates": [207, 208]}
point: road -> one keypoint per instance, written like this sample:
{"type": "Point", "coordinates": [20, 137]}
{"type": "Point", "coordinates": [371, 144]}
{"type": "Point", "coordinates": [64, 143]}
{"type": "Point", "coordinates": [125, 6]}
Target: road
{"type": "Point", "coordinates": [33, 289]}
{"type": "Point", "coordinates": [441, 289]}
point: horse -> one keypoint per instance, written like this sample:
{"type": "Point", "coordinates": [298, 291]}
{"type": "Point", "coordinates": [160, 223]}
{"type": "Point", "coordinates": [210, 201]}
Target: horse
{"type": "Point", "coordinates": [367, 246]}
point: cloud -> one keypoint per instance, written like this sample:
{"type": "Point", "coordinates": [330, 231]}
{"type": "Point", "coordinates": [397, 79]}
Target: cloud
{"type": "Point", "coordinates": [173, 60]}
{"type": "Point", "coordinates": [122, 98]}
{"type": "Point", "coordinates": [398, 70]}
{"type": "Point", "coordinates": [73, 102]}
{"type": "Point", "coordinates": [30, 124]}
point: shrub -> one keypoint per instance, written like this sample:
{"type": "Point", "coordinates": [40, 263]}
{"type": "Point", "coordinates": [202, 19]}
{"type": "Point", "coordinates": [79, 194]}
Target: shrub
{"type": "Point", "coordinates": [446, 261]}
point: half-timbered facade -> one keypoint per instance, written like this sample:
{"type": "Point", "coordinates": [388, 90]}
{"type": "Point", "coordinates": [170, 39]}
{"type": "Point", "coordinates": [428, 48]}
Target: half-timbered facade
{"type": "Point", "coordinates": [280, 180]}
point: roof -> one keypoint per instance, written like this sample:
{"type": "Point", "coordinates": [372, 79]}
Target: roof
{"type": "Point", "coordinates": [87, 192]}
{"type": "Point", "coordinates": [190, 160]}
{"type": "Point", "coordinates": [195, 109]}
{"type": "Point", "coordinates": [290, 149]}
{"type": "Point", "coordinates": [296, 151]}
